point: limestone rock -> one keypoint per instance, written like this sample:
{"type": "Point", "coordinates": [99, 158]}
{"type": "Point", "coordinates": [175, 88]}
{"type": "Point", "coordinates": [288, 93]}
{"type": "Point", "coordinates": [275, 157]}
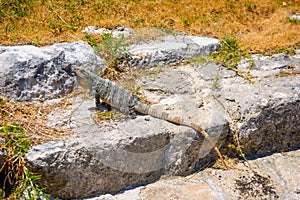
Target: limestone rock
{"type": "Point", "coordinates": [267, 114]}
{"type": "Point", "coordinates": [264, 115]}
{"type": "Point", "coordinates": [295, 17]}
{"type": "Point", "coordinates": [178, 188]}
{"type": "Point", "coordinates": [172, 49]}
{"type": "Point", "coordinates": [270, 177]}
{"type": "Point", "coordinates": [33, 73]}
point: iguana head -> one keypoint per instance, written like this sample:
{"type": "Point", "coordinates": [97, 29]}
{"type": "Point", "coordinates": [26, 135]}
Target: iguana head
{"type": "Point", "coordinates": [84, 77]}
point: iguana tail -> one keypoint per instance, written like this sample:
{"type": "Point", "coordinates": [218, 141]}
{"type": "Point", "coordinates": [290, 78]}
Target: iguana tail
{"type": "Point", "coordinates": [154, 112]}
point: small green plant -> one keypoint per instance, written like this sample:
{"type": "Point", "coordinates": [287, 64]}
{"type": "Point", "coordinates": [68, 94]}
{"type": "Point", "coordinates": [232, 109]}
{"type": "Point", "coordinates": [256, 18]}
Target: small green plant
{"type": "Point", "coordinates": [112, 48]}
{"type": "Point", "coordinates": [9, 28]}
{"type": "Point", "coordinates": [230, 54]}
{"type": "Point", "coordinates": [250, 6]}
{"type": "Point", "coordinates": [138, 22]}
{"type": "Point", "coordinates": [73, 8]}
{"type": "Point", "coordinates": [55, 27]}
{"type": "Point", "coordinates": [231, 3]}
{"type": "Point", "coordinates": [201, 60]}
{"type": "Point", "coordinates": [186, 21]}
{"type": "Point", "coordinates": [283, 74]}
{"type": "Point", "coordinates": [36, 41]}
{"type": "Point", "coordinates": [16, 181]}
{"type": "Point", "coordinates": [108, 115]}
{"type": "Point", "coordinates": [91, 41]}
{"type": "Point", "coordinates": [167, 30]}
{"type": "Point", "coordinates": [286, 50]}
{"type": "Point", "coordinates": [238, 149]}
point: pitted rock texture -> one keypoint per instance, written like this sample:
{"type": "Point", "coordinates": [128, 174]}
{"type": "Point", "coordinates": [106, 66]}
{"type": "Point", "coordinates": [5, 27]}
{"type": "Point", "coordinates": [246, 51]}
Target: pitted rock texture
{"type": "Point", "coordinates": [271, 177]}
{"type": "Point", "coordinates": [172, 49]}
{"type": "Point", "coordinates": [32, 73]}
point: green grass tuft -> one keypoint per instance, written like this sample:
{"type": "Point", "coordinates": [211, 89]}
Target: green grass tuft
{"type": "Point", "coordinates": [16, 181]}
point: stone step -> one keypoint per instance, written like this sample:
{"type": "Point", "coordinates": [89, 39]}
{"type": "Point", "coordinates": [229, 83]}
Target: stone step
{"type": "Point", "coordinates": [110, 157]}
{"type": "Point", "coordinates": [270, 177]}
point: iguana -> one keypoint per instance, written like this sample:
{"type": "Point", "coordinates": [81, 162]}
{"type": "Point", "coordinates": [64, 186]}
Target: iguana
{"type": "Point", "coordinates": [119, 98]}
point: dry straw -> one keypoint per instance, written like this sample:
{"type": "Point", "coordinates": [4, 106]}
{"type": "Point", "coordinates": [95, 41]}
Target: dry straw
{"type": "Point", "coordinates": [258, 25]}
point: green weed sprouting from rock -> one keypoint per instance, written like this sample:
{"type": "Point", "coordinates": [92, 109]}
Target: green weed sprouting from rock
{"type": "Point", "coordinates": [215, 83]}
{"type": "Point", "coordinates": [112, 48]}
{"type": "Point", "coordinates": [230, 54]}
{"type": "Point", "coordinates": [106, 115]}
{"type": "Point", "coordinates": [167, 30]}
{"type": "Point", "coordinates": [288, 51]}
{"type": "Point", "coordinates": [16, 181]}
{"type": "Point", "coordinates": [238, 149]}
{"type": "Point", "coordinates": [91, 41]}
{"type": "Point", "coordinates": [201, 60]}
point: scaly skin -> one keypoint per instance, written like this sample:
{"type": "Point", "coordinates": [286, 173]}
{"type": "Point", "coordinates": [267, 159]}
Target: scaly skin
{"type": "Point", "coordinates": [118, 97]}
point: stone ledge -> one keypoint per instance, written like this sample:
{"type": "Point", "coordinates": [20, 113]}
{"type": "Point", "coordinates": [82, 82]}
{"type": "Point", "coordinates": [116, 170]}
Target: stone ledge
{"type": "Point", "coordinates": [113, 157]}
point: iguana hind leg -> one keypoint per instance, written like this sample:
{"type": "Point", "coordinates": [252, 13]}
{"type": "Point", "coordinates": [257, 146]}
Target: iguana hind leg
{"type": "Point", "coordinates": [129, 111]}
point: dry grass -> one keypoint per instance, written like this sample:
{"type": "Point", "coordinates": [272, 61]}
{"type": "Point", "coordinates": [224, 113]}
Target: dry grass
{"type": "Point", "coordinates": [258, 25]}
{"type": "Point", "coordinates": [33, 117]}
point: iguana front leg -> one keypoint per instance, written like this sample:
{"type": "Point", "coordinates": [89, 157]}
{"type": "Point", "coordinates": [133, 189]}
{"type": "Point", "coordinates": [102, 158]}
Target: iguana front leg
{"type": "Point", "coordinates": [100, 104]}
{"type": "Point", "coordinates": [97, 100]}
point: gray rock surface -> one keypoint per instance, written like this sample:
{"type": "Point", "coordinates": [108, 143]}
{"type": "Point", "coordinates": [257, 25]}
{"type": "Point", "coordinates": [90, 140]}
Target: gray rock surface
{"type": "Point", "coordinates": [272, 177]}
{"type": "Point", "coordinates": [32, 73]}
{"type": "Point", "coordinates": [295, 17]}
{"type": "Point", "coordinates": [265, 114]}
{"type": "Point", "coordinates": [115, 155]}
{"type": "Point", "coordinates": [172, 49]}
